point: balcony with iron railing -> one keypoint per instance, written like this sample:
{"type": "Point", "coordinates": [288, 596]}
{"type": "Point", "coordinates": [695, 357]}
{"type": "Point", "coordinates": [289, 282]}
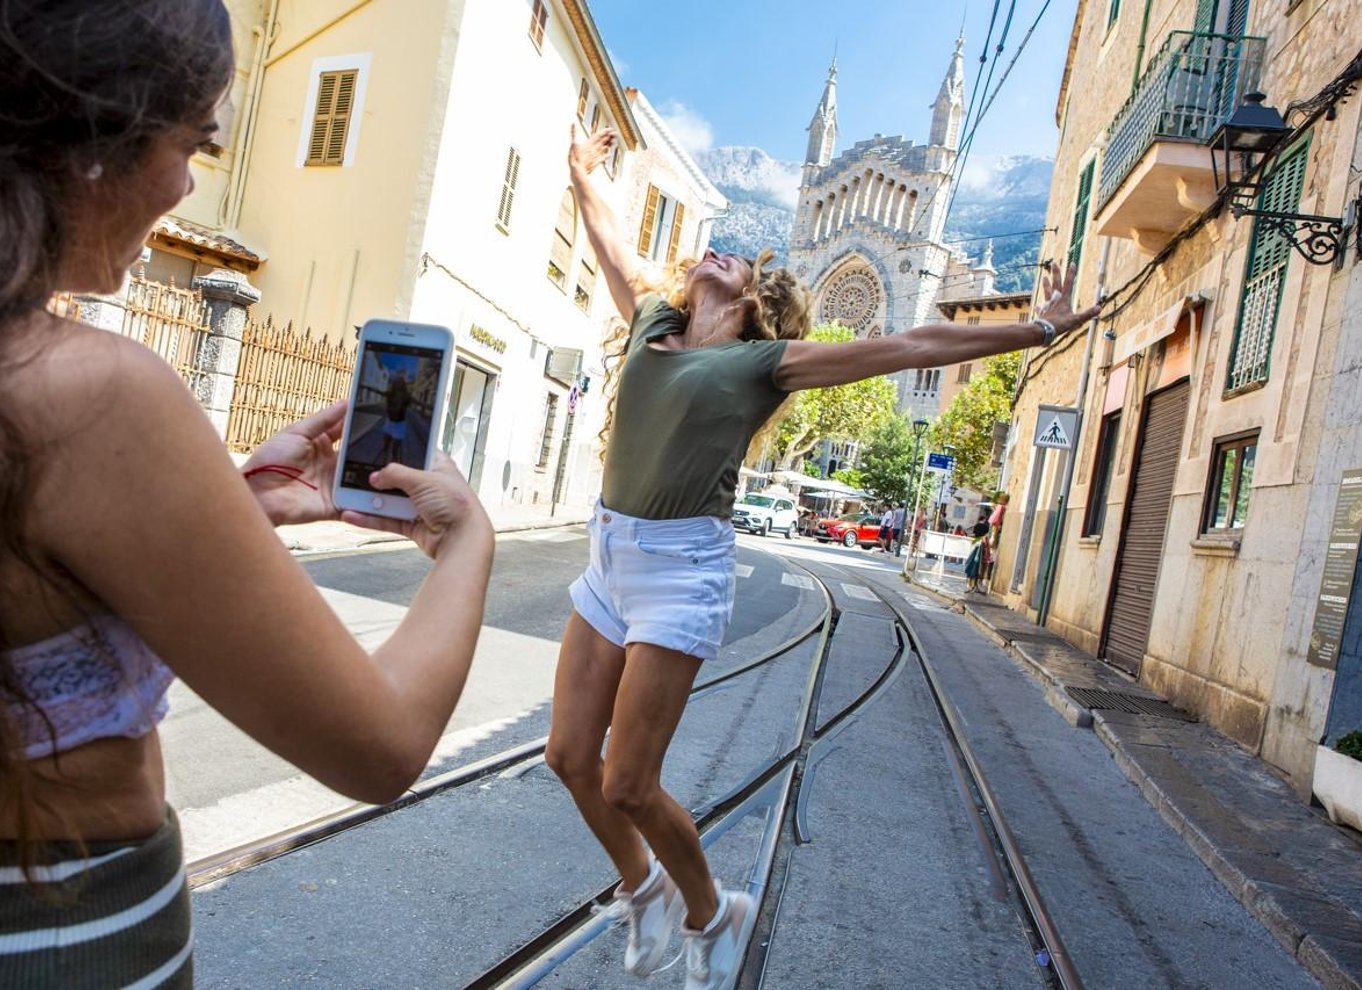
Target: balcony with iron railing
{"type": "Point", "coordinates": [1156, 172]}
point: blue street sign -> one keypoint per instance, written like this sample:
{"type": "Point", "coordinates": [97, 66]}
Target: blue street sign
{"type": "Point", "coordinates": [940, 462]}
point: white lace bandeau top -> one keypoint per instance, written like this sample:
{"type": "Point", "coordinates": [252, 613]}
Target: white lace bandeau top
{"type": "Point", "coordinates": [96, 681]}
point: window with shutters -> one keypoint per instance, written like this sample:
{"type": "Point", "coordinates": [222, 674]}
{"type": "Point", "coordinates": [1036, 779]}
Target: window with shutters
{"type": "Point", "coordinates": [612, 164]}
{"type": "Point", "coordinates": [508, 182]}
{"type": "Point", "coordinates": [1081, 207]}
{"type": "Point", "coordinates": [595, 118]}
{"type": "Point", "coordinates": [972, 321]}
{"type": "Point", "coordinates": [1231, 482]}
{"type": "Point", "coordinates": [539, 16]}
{"type": "Point", "coordinates": [962, 377]}
{"type": "Point", "coordinates": [1113, 13]}
{"type": "Point", "coordinates": [1107, 439]}
{"type": "Point", "coordinates": [1221, 17]}
{"type": "Point", "coordinates": [331, 118]}
{"type": "Point", "coordinates": [659, 236]}
{"type": "Point", "coordinates": [583, 98]}
{"type": "Point", "coordinates": [546, 441]}
{"type": "Point", "coordinates": [564, 236]}
{"type": "Point", "coordinates": [586, 280]}
{"type": "Point", "coordinates": [1268, 255]}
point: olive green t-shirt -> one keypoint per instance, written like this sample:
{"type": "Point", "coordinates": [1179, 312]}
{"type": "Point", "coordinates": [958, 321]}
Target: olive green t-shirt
{"type": "Point", "coordinates": [684, 418]}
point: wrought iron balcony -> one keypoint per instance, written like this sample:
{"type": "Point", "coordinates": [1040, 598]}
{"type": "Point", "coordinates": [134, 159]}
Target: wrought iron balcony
{"type": "Point", "coordinates": [1193, 83]}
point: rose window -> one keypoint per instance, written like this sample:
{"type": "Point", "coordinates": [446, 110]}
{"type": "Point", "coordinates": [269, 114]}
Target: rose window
{"type": "Point", "coordinates": [852, 300]}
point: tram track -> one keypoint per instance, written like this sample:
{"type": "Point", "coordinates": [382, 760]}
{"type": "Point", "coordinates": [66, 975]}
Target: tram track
{"type": "Point", "coordinates": [777, 792]}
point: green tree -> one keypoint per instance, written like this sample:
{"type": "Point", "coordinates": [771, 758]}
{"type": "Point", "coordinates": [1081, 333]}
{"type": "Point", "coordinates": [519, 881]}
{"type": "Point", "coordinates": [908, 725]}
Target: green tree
{"type": "Point", "coordinates": [967, 425]}
{"type": "Point", "coordinates": [888, 458]}
{"type": "Point", "coordinates": [851, 477]}
{"type": "Point", "coordinates": [838, 413]}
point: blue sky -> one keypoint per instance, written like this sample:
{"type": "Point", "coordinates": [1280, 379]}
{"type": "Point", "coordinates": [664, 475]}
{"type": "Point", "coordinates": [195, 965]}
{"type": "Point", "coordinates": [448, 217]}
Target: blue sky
{"type": "Point", "coordinates": [751, 71]}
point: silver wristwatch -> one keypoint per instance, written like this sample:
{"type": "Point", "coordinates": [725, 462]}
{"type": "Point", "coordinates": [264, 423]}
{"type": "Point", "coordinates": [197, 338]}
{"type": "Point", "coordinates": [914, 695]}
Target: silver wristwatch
{"type": "Point", "coordinates": [1048, 329]}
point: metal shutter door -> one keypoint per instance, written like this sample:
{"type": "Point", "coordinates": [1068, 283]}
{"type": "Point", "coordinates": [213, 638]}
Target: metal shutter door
{"type": "Point", "coordinates": [1137, 564]}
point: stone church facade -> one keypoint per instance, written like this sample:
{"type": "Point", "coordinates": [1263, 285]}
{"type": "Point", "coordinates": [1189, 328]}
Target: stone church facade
{"type": "Point", "coordinates": [869, 224]}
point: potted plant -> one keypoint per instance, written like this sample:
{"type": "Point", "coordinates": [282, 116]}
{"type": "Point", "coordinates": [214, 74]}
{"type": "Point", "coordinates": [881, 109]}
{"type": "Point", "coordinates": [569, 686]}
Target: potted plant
{"type": "Point", "coordinates": [1338, 779]}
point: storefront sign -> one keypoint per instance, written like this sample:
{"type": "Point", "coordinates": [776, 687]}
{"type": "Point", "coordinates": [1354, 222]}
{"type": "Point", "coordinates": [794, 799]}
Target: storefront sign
{"type": "Point", "coordinates": [487, 339]}
{"type": "Point", "coordinates": [1331, 609]}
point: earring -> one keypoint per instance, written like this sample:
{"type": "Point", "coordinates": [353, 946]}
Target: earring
{"type": "Point", "coordinates": [94, 172]}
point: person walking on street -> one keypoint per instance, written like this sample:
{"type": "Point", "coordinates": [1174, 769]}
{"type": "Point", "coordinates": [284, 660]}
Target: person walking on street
{"type": "Point", "coordinates": [132, 550]}
{"type": "Point", "coordinates": [886, 527]}
{"type": "Point", "coordinates": [896, 524]}
{"type": "Point", "coordinates": [707, 363]}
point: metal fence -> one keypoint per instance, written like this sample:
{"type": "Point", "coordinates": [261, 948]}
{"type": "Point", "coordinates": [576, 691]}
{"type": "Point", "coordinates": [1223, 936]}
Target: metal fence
{"type": "Point", "coordinates": [283, 376]}
{"type": "Point", "coordinates": [1193, 83]}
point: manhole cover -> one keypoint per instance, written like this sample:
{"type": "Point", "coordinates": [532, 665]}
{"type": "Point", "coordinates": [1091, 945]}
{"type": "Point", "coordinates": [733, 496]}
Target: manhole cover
{"type": "Point", "coordinates": [1116, 701]}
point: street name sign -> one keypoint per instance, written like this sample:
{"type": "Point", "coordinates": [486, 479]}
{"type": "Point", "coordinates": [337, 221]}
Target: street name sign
{"type": "Point", "coordinates": [1056, 427]}
{"type": "Point", "coordinates": [940, 462]}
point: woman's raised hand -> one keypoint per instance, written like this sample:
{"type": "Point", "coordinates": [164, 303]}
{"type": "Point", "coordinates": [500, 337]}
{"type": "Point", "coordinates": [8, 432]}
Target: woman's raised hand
{"type": "Point", "coordinates": [443, 500]}
{"type": "Point", "coordinates": [584, 154]}
{"type": "Point", "coordinates": [1056, 305]}
{"type": "Point", "coordinates": [291, 473]}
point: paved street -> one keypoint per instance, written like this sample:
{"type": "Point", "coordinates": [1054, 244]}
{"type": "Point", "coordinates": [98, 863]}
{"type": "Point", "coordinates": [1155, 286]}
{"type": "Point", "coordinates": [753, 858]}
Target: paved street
{"type": "Point", "coordinates": [893, 881]}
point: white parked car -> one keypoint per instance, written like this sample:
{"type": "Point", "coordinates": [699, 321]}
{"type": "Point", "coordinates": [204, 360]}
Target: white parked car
{"type": "Point", "coordinates": [766, 514]}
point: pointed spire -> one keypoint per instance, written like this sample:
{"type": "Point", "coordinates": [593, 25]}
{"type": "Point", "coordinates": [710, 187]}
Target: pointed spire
{"type": "Point", "coordinates": [823, 128]}
{"type": "Point", "coordinates": [949, 109]}
{"type": "Point", "coordinates": [988, 256]}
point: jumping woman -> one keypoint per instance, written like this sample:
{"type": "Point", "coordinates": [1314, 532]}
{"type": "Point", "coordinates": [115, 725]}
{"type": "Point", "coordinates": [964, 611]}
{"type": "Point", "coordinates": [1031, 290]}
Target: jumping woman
{"type": "Point", "coordinates": [705, 367]}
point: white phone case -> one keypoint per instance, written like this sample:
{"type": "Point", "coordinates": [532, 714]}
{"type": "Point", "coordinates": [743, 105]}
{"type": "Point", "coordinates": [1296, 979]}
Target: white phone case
{"type": "Point", "coordinates": [395, 396]}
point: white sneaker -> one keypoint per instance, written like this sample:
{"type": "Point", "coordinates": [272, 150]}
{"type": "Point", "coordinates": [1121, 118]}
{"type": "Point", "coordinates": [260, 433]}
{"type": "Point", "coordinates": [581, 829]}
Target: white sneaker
{"type": "Point", "coordinates": [652, 911]}
{"type": "Point", "coordinates": [714, 955]}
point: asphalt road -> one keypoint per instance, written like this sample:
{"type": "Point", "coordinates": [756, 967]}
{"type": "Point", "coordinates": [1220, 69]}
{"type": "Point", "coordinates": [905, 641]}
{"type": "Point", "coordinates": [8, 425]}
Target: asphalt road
{"type": "Point", "coordinates": [894, 887]}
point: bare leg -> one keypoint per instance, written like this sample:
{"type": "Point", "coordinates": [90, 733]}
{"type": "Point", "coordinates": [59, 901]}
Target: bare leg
{"type": "Point", "coordinates": [588, 676]}
{"type": "Point", "coordinates": [652, 695]}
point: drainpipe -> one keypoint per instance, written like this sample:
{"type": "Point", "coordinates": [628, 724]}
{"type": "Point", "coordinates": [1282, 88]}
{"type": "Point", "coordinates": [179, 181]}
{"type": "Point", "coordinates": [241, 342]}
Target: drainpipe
{"type": "Point", "coordinates": [1139, 49]}
{"type": "Point", "coordinates": [1057, 537]}
{"type": "Point", "coordinates": [229, 213]}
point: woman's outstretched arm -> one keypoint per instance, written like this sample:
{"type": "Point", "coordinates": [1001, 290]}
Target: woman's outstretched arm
{"type": "Point", "coordinates": [814, 364]}
{"type": "Point", "coordinates": [613, 250]}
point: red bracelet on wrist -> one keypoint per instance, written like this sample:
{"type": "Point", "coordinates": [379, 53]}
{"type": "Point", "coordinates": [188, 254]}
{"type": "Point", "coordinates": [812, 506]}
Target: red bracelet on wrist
{"type": "Point", "coordinates": [292, 473]}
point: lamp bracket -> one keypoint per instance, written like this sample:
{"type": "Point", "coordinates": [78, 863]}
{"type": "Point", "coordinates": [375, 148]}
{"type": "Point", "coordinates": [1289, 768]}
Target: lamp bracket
{"type": "Point", "coordinates": [1319, 240]}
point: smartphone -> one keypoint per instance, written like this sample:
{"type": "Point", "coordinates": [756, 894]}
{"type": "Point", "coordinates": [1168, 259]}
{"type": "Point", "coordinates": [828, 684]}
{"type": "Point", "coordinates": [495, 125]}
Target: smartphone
{"type": "Point", "coordinates": [397, 403]}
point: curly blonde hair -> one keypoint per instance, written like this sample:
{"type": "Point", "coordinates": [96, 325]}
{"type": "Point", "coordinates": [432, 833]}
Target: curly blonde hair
{"type": "Point", "coordinates": [781, 309]}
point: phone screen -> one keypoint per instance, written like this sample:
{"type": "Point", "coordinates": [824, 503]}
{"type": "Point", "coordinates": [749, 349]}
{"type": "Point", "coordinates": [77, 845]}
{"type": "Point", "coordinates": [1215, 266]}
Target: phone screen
{"type": "Point", "coordinates": [393, 409]}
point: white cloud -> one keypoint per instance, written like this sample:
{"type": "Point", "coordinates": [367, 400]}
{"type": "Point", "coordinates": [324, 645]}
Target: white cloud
{"type": "Point", "coordinates": [690, 128]}
{"type": "Point", "coordinates": [978, 174]}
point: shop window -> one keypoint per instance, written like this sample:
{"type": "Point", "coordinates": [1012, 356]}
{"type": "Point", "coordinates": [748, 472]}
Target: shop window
{"type": "Point", "coordinates": [1107, 440]}
{"type": "Point", "coordinates": [1231, 483]}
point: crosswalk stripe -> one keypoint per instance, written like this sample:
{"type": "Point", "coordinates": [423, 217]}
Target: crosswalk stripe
{"type": "Point", "coordinates": [744, 570]}
{"type": "Point", "coordinates": [797, 581]}
{"type": "Point", "coordinates": [858, 591]}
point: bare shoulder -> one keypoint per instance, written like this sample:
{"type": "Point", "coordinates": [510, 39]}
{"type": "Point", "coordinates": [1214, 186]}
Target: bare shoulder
{"type": "Point", "coordinates": [70, 381]}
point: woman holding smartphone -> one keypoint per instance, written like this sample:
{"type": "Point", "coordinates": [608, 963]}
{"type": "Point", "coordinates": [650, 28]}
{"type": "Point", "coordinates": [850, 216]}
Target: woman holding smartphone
{"type": "Point", "coordinates": [705, 367]}
{"type": "Point", "coordinates": [131, 549]}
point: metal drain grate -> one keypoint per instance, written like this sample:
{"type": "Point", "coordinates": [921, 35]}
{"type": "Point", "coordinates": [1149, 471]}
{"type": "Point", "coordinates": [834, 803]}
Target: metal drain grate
{"type": "Point", "coordinates": [1133, 703]}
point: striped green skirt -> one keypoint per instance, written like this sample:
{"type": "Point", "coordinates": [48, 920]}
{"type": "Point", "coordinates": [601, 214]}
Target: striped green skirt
{"type": "Point", "coordinates": [111, 914]}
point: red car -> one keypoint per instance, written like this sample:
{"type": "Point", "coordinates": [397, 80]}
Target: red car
{"type": "Point", "coordinates": [857, 529]}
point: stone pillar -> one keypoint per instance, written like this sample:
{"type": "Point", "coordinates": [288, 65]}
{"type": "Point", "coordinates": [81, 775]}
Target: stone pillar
{"type": "Point", "coordinates": [226, 295]}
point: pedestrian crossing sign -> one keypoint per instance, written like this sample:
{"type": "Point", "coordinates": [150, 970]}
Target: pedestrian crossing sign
{"type": "Point", "coordinates": [1056, 427]}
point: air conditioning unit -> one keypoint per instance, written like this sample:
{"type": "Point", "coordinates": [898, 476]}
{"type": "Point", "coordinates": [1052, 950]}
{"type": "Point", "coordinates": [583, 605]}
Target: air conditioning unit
{"type": "Point", "coordinates": [564, 364]}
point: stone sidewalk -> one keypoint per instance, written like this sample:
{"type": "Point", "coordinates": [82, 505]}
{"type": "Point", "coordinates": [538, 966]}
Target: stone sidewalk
{"type": "Point", "coordinates": [338, 537]}
{"type": "Point", "coordinates": [1298, 873]}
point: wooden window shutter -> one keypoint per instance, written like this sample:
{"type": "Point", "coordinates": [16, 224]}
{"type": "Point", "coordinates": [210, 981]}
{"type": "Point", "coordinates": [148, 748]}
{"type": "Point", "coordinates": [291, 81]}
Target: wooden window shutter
{"type": "Point", "coordinates": [1081, 207]}
{"type": "Point", "coordinates": [645, 233]}
{"type": "Point", "coordinates": [675, 242]}
{"type": "Point", "coordinates": [564, 235]}
{"type": "Point", "coordinates": [331, 120]}
{"type": "Point", "coordinates": [508, 189]}
{"type": "Point", "coordinates": [583, 96]}
{"type": "Point", "coordinates": [539, 16]}
{"type": "Point", "coordinates": [595, 118]}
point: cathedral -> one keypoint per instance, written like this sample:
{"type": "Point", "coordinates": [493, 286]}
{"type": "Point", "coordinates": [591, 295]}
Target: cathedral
{"type": "Point", "coordinates": [868, 228]}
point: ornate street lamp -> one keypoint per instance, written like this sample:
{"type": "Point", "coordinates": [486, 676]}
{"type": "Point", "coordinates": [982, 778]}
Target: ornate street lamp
{"type": "Point", "coordinates": [909, 525]}
{"type": "Point", "coordinates": [1258, 130]}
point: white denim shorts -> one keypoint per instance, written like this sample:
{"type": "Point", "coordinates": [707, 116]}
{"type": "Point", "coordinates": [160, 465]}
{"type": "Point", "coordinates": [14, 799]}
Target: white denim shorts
{"type": "Point", "coordinates": [668, 582]}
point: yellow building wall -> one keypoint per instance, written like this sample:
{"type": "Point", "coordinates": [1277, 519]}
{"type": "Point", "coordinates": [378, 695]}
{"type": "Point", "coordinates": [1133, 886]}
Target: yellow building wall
{"type": "Point", "coordinates": [342, 241]}
{"type": "Point", "coordinates": [953, 381]}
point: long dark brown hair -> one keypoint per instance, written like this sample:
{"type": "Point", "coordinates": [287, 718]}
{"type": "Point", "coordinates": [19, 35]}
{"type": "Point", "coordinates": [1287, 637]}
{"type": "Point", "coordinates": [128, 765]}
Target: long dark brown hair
{"type": "Point", "coordinates": [85, 87]}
